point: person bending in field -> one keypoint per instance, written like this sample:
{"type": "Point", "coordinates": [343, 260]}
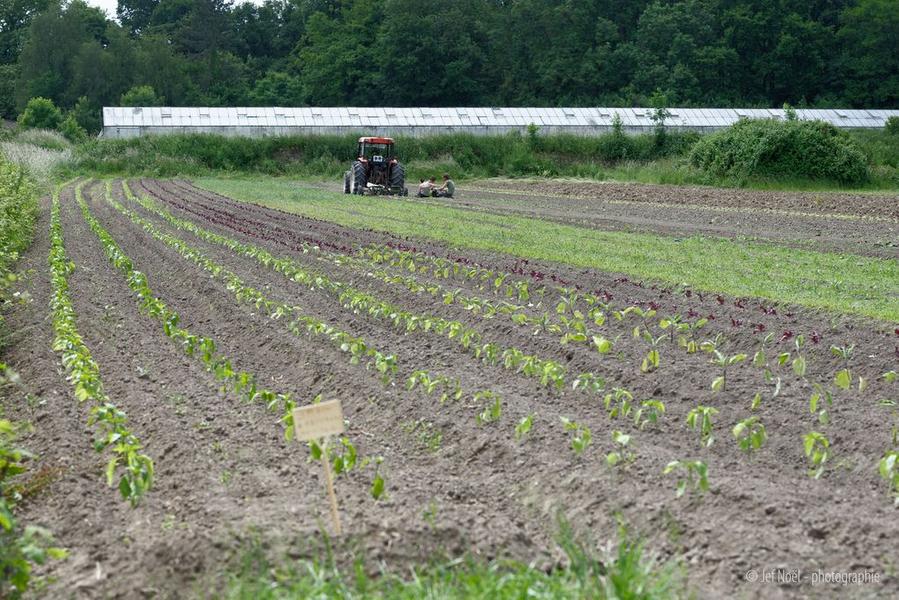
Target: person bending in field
{"type": "Point", "coordinates": [447, 189]}
{"type": "Point", "coordinates": [426, 188]}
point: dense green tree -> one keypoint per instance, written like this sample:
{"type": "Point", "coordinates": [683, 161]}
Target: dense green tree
{"type": "Point", "coordinates": [548, 52]}
{"type": "Point", "coordinates": [8, 76]}
{"type": "Point", "coordinates": [337, 63]}
{"type": "Point", "coordinates": [277, 89]}
{"type": "Point", "coordinates": [453, 52]}
{"type": "Point", "coordinates": [135, 15]}
{"type": "Point", "coordinates": [158, 65]}
{"type": "Point", "coordinates": [430, 52]}
{"type": "Point", "coordinates": [168, 14]}
{"type": "Point", "coordinates": [141, 95]}
{"type": "Point", "coordinates": [87, 115]}
{"type": "Point", "coordinates": [869, 62]}
{"type": "Point", "coordinates": [55, 40]}
{"type": "Point", "coordinates": [103, 72]}
{"type": "Point", "coordinates": [15, 16]}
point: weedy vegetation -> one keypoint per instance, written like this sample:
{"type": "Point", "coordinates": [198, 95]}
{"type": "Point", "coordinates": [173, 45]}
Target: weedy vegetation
{"type": "Point", "coordinates": [817, 451]}
{"type": "Point", "coordinates": [581, 437]}
{"type": "Point", "coordinates": [701, 419]}
{"type": "Point", "coordinates": [750, 434]}
{"type": "Point", "coordinates": [692, 476]}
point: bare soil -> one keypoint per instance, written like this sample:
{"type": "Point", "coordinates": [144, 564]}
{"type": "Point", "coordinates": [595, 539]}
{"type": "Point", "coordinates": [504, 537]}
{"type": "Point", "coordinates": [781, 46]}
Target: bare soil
{"type": "Point", "coordinates": [225, 474]}
{"type": "Point", "coordinates": [865, 224]}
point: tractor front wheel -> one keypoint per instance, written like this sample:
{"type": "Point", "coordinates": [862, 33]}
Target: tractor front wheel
{"type": "Point", "coordinates": [346, 182]}
{"type": "Point", "coordinates": [358, 178]}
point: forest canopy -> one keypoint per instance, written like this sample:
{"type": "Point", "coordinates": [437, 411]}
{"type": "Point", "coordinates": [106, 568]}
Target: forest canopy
{"type": "Point", "coordinates": [828, 53]}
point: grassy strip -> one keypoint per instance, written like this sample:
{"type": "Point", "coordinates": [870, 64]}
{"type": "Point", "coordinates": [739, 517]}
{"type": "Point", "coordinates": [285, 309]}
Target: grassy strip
{"type": "Point", "coordinates": [136, 477]}
{"type": "Point", "coordinates": [627, 571]}
{"type": "Point", "coordinates": [830, 281]}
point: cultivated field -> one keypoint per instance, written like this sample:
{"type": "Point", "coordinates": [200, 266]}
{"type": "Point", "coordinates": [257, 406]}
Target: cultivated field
{"type": "Point", "coordinates": [491, 392]}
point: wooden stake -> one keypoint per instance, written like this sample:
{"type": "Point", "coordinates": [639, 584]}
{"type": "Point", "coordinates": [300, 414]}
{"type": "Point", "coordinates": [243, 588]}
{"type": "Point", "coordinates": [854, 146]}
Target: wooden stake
{"type": "Point", "coordinates": [329, 482]}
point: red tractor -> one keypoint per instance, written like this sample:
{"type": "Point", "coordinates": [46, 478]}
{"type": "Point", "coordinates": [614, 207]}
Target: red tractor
{"type": "Point", "coordinates": [376, 169]}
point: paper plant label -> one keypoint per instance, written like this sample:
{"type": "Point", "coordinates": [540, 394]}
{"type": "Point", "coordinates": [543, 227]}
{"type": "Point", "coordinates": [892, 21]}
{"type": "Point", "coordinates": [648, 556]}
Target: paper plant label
{"type": "Point", "coordinates": [317, 421]}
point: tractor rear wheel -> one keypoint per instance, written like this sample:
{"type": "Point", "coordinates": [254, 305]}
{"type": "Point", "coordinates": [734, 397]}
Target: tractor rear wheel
{"type": "Point", "coordinates": [397, 178]}
{"type": "Point", "coordinates": [358, 178]}
{"type": "Point", "coordinates": [346, 182]}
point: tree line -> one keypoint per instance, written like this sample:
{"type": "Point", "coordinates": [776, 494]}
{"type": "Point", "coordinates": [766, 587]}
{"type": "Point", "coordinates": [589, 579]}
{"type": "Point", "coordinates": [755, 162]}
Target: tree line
{"type": "Point", "coordinates": [829, 53]}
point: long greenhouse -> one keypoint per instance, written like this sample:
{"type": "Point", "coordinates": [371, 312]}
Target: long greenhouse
{"type": "Point", "coordinates": [124, 122]}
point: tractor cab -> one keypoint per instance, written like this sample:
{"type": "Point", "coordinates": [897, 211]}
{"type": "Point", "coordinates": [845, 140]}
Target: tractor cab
{"type": "Point", "coordinates": [375, 149]}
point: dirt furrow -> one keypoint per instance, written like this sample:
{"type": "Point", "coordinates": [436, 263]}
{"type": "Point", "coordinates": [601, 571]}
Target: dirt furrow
{"type": "Point", "coordinates": [453, 485]}
{"type": "Point", "coordinates": [625, 370]}
{"type": "Point", "coordinates": [384, 415]}
{"type": "Point", "coordinates": [735, 509]}
{"type": "Point", "coordinates": [811, 231]}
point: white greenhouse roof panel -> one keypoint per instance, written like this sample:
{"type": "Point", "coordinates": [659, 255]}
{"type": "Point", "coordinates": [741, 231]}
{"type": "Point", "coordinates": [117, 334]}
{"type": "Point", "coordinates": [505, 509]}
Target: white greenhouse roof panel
{"type": "Point", "coordinates": [127, 121]}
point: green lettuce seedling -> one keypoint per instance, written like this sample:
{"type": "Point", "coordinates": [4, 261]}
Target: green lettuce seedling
{"type": "Point", "coordinates": [622, 453]}
{"type": "Point", "coordinates": [493, 411]}
{"type": "Point", "coordinates": [843, 377]}
{"type": "Point", "coordinates": [649, 413]}
{"type": "Point", "coordinates": [719, 384]}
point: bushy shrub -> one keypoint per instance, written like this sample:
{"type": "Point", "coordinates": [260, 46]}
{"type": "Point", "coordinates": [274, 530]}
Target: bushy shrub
{"type": "Point", "coordinates": [892, 126]}
{"type": "Point", "coordinates": [40, 113]}
{"type": "Point", "coordinates": [72, 131]}
{"type": "Point", "coordinates": [768, 148]}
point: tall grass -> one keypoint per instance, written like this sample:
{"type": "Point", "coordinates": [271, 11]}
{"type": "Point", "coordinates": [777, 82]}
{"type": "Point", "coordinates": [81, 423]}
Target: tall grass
{"type": "Point", "coordinates": [41, 153]}
{"type": "Point", "coordinates": [465, 155]}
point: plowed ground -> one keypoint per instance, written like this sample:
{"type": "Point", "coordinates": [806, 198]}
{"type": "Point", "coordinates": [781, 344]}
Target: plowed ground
{"type": "Point", "coordinates": [225, 473]}
{"type": "Point", "coordinates": [866, 224]}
